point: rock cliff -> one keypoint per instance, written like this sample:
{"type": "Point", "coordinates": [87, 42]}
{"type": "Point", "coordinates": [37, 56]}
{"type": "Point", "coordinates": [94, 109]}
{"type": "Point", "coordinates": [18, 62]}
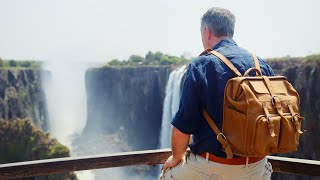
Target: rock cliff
{"type": "Point", "coordinates": [304, 75]}
{"type": "Point", "coordinates": [21, 95]}
{"type": "Point", "coordinates": [128, 99]}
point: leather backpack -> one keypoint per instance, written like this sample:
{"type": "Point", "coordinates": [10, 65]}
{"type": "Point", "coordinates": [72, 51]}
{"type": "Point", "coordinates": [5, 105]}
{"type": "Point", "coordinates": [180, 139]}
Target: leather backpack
{"type": "Point", "coordinates": [260, 114]}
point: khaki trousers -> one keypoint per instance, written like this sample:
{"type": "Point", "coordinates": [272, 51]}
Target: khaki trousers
{"type": "Point", "coordinates": [195, 167]}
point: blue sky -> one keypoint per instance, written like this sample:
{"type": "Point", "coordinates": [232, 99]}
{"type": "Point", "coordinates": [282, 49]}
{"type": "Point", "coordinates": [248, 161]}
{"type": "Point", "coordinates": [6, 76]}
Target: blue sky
{"type": "Point", "coordinates": [100, 30]}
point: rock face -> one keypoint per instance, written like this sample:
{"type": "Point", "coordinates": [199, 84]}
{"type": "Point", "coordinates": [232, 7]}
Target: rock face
{"type": "Point", "coordinates": [128, 99]}
{"type": "Point", "coordinates": [23, 120]}
{"type": "Point", "coordinates": [21, 96]}
{"type": "Point", "coordinates": [304, 75]}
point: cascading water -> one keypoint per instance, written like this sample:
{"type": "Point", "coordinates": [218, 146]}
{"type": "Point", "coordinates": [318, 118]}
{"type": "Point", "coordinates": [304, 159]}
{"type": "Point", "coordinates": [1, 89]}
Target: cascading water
{"type": "Point", "coordinates": [64, 86]}
{"type": "Point", "coordinates": [171, 104]}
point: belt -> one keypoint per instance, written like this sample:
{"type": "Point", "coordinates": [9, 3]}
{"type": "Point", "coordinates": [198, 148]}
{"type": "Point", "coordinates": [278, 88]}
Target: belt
{"type": "Point", "coordinates": [232, 161]}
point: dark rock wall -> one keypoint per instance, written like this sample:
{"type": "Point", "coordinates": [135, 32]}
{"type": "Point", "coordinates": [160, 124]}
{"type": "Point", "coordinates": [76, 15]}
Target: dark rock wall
{"type": "Point", "coordinates": [129, 99]}
{"type": "Point", "coordinates": [21, 96]}
{"type": "Point", "coordinates": [305, 77]}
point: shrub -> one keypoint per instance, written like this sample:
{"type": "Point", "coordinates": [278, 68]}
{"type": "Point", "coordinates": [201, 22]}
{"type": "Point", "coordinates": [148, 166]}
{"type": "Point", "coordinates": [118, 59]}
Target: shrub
{"type": "Point", "coordinates": [13, 63]}
{"type": "Point", "coordinates": [1, 63]}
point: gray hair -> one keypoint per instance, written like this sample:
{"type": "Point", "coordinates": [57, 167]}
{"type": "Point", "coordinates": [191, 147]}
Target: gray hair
{"type": "Point", "coordinates": [220, 22]}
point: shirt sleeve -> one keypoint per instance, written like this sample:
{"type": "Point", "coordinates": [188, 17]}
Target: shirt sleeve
{"type": "Point", "coordinates": [188, 116]}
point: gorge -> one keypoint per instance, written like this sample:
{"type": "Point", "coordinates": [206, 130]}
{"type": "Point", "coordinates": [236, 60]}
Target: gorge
{"type": "Point", "coordinates": [303, 73]}
{"type": "Point", "coordinates": [124, 108]}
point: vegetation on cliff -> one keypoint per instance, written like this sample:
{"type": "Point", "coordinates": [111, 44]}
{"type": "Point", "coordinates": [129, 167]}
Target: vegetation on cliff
{"type": "Point", "coordinates": [19, 64]}
{"type": "Point", "coordinates": [21, 140]}
{"type": "Point", "coordinates": [158, 58]}
{"type": "Point", "coordinates": [313, 60]}
{"type": "Point", "coordinates": [151, 58]}
{"type": "Point", "coordinates": [308, 59]}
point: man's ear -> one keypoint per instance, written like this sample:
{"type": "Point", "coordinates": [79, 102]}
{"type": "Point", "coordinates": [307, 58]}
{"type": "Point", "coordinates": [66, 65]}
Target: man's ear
{"type": "Point", "coordinates": [206, 33]}
{"type": "Point", "coordinates": [210, 35]}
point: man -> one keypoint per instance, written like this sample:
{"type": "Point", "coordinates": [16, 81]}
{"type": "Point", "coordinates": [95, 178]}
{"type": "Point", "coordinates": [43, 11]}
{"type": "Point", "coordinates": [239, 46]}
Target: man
{"type": "Point", "coordinates": [203, 87]}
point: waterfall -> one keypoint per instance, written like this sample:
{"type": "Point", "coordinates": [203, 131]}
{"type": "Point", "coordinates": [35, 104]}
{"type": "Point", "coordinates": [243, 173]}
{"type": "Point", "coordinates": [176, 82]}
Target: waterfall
{"type": "Point", "coordinates": [171, 104]}
{"type": "Point", "coordinates": [64, 86]}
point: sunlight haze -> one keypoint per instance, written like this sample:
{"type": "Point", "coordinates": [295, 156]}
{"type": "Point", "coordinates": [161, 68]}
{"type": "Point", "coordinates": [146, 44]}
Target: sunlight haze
{"type": "Point", "coordinates": [101, 30]}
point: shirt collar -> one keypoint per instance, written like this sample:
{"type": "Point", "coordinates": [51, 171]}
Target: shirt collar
{"type": "Point", "coordinates": [224, 42]}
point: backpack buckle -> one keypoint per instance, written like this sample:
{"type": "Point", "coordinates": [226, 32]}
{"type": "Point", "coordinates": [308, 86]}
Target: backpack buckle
{"type": "Point", "coordinates": [220, 134]}
{"type": "Point", "coordinates": [268, 118]}
{"type": "Point", "coordinates": [293, 117]}
{"type": "Point", "coordinates": [273, 99]}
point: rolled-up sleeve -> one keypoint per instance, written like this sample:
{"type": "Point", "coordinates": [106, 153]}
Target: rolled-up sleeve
{"type": "Point", "coordinates": [188, 116]}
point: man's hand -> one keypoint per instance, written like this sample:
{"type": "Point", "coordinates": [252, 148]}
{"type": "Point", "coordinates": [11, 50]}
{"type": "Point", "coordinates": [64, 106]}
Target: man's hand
{"type": "Point", "coordinates": [171, 162]}
{"type": "Point", "coordinates": [179, 144]}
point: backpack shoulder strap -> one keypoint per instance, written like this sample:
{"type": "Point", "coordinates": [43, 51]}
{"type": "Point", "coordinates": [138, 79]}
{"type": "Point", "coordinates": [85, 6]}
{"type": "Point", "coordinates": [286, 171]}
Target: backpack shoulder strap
{"type": "Point", "coordinates": [227, 62]}
{"type": "Point", "coordinates": [256, 62]}
{"type": "Point", "coordinates": [220, 137]}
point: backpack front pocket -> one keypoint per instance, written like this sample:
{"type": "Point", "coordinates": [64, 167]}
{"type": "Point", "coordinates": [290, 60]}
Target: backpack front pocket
{"type": "Point", "coordinates": [289, 134]}
{"type": "Point", "coordinates": [266, 135]}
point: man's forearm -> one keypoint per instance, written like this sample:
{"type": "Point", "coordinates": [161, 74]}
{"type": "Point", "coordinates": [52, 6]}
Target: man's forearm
{"type": "Point", "coordinates": [179, 143]}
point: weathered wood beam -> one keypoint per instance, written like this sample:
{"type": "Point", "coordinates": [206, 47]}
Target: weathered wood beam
{"type": "Point", "coordinates": [151, 157]}
{"type": "Point", "coordinates": [62, 165]}
{"type": "Point", "coordinates": [295, 166]}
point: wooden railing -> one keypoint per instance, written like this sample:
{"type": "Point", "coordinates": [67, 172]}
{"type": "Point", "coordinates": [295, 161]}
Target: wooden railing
{"type": "Point", "coordinates": [151, 157]}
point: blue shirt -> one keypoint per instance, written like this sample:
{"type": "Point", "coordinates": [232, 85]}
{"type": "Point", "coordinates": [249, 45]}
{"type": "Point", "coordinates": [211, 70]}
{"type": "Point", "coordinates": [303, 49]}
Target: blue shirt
{"type": "Point", "coordinates": [203, 87]}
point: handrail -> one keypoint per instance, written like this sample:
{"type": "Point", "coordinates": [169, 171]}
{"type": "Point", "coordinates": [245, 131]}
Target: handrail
{"type": "Point", "coordinates": [150, 157]}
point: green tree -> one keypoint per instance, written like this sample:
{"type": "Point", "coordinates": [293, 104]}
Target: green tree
{"type": "Point", "coordinates": [1, 62]}
{"type": "Point", "coordinates": [158, 55]}
{"type": "Point", "coordinates": [150, 57]}
{"type": "Point", "coordinates": [25, 64]}
{"type": "Point", "coordinates": [166, 60]}
{"type": "Point", "coordinates": [115, 62]}
{"type": "Point", "coordinates": [13, 63]}
{"type": "Point", "coordinates": [176, 60]}
{"type": "Point", "coordinates": [136, 59]}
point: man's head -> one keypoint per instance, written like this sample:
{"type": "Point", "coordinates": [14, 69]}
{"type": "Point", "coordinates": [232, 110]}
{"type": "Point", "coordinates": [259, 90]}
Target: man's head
{"type": "Point", "coordinates": [216, 24]}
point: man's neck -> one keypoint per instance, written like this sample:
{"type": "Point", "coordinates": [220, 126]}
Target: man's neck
{"type": "Point", "coordinates": [216, 40]}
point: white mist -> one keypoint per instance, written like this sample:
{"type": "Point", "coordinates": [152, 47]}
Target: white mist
{"type": "Point", "coordinates": [64, 86]}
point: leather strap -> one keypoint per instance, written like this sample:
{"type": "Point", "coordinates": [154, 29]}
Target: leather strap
{"type": "Point", "coordinates": [227, 62]}
{"type": "Point", "coordinates": [232, 161]}
{"type": "Point", "coordinates": [295, 119]}
{"type": "Point", "coordinates": [269, 86]}
{"type": "Point", "coordinates": [270, 121]}
{"type": "Point", "coordinates": [256, 63]}
{"type": "Point", "coordinates": [258, 73]}
{"type": "Point", "coordinates": [276, 102]}
{"type": "Point", "coordinates": [205, 52]}
{"type": "Point", "coordinates": [220, 137]}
